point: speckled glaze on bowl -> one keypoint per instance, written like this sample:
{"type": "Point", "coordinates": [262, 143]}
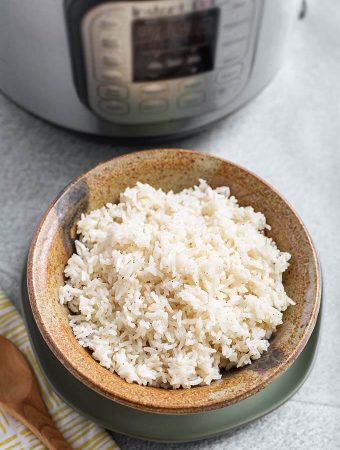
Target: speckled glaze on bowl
{"type": "Point", "coordinates": [171, 169]}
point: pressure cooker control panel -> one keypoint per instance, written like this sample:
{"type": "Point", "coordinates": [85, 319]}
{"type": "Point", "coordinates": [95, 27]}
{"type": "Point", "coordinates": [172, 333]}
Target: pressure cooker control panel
{"type": "Point", "coordinates": [152, 61]}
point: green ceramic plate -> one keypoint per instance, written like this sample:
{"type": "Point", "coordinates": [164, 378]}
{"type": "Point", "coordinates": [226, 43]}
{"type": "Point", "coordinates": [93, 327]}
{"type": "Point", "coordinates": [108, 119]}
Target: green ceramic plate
{"type": "Point", "coordinates": [167, 428]}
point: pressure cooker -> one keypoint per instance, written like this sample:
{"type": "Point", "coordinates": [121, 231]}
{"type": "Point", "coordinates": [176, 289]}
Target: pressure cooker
{"type": "Point", "coordinates": [140, 69]}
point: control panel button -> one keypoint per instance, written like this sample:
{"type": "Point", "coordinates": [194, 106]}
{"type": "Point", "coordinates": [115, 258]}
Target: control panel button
{"type": "Point", "coordinates": [112, 75]}
{"type": "Point", "coordinates": [191, 100]}
{"type": "Point", "coordinates": [154, 89]}
{"type": "Point", "coordinates": [226, 74]}
{"type": "Point", "coordinates": [114, 107]}
{"type": "Point", "coordinates": [239, 10]}
{"type": "Point", "coordinates": [226, 93]}
{"type": "Point", "coordinates": [108, 24]}
{"type": "Point", "coordinates": [156, 105]}
{"type": "Point", "coordinates": [234, 51]}
{"type": "Point", "coordinates": [109, 42]}
{"type": "Point", "coordinates": [236, 32]}
{"type": "Point", "coordinates": [192, 85]}
{"type": "Point", "coordinates": [113, 61]}
{"type": "Point", "coordinates": [116, 92]}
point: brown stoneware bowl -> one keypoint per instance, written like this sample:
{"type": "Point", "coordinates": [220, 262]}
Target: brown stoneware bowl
{"type": "Point", "coordinates": [171, 169]}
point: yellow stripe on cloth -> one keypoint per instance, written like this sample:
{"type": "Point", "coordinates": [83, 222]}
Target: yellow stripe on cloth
{"type": "Point", "coordinates": [14, 435]}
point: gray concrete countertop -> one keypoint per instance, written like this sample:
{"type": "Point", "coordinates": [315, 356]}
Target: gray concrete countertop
{"type": "Point", "coordinates": [290, 135]}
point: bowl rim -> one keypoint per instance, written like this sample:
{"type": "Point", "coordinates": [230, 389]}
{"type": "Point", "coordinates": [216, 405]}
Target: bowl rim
{"type": "Point", "coordinates": [143, 404]}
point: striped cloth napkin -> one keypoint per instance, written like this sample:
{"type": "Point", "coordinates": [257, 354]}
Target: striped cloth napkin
{"type": "Point", "coordinates": [78, 431]}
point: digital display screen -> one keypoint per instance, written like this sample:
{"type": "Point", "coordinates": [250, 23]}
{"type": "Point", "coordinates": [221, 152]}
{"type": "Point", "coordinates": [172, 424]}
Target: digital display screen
{"type": "Point", "coordinates": [174, 47]}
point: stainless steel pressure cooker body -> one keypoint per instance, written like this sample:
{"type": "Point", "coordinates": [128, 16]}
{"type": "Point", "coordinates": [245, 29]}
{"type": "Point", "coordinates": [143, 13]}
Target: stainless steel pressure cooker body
{"type": "Point", "coordinates": [140, 68]}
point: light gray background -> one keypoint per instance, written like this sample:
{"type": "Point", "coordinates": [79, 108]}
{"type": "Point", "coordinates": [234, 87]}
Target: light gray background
{"type": "Point", "coordinates": [290, 135]}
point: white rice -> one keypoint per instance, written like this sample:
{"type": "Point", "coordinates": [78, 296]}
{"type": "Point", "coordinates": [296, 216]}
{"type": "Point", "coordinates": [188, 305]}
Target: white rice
{"type": "Point", "coordinates": [169, 289]}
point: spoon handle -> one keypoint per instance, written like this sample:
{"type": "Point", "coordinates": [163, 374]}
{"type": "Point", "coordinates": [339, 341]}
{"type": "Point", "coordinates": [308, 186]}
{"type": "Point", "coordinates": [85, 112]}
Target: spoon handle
{"type": "Point", "coordinates": [36, 418]}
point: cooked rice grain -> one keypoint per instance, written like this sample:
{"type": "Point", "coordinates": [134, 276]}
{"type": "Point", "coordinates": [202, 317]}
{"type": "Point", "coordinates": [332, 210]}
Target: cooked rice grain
{"type": "Point", "coordinates": [169, 289]}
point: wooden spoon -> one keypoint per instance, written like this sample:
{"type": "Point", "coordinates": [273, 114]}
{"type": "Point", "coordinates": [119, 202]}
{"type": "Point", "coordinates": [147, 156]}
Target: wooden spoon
{"type": "Point", "coordinates": [20, 396]}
